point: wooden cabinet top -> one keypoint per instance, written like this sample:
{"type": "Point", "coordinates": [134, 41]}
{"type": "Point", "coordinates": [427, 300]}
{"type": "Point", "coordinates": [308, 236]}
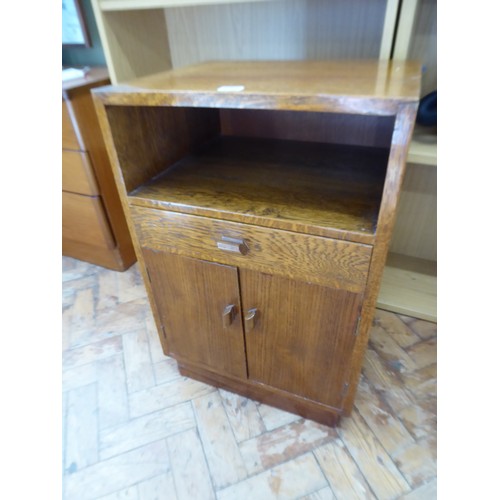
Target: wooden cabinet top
{"type": "Point", "coordinates": [94, 77]}
{"type": "Point", "coordinates": [374, 87]}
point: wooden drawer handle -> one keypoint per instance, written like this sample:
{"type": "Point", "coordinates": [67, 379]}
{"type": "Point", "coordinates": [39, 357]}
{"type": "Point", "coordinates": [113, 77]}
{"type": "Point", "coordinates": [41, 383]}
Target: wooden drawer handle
{"type": "Point", "coordinates": [233, 245]}
{"type": "Point", "coordinates": [250, 319]}
{"type": "Point", "coordinates": [228, 315]}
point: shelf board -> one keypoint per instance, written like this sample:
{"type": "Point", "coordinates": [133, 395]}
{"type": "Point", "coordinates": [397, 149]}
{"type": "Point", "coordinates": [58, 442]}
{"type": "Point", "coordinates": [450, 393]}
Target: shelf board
{"type": "Point", "coordinates": [423, 147]}
{"type": "Point", "coordinates": [409, 287]}
{"type": "Point", "coordinates": [316, 188]}
{"type": "Point", "coordinates": [114, 5]}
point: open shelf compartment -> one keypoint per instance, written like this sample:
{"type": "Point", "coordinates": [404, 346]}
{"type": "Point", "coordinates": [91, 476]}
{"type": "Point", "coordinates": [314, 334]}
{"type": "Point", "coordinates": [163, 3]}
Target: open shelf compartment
{"type": "Point", "coordinates": [315, 173]}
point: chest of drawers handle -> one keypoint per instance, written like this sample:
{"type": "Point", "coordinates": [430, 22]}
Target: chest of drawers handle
{"type": "Point", "coordinates": [234, 245]}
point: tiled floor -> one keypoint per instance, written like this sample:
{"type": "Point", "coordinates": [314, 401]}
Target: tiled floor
{"type": "Point", "coordinates": [133, 428]}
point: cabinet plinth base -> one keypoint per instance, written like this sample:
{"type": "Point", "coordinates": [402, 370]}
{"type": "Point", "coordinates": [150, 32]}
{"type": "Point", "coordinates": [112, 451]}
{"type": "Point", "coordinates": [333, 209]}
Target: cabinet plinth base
{"type": "Point", "coordinates": [265, 394]}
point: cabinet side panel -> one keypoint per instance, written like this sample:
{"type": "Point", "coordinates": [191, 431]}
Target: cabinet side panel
{"type": "Point", "coordinates": [302, 335]}
{"type": "Point", "coordinates": [192, 297]}
{"type": "Point", "coordinates": [135, 42]}
{"type": "Point", "coordinates": [403, 130]}
{"type": "Point", "coordinates": [150, 139]}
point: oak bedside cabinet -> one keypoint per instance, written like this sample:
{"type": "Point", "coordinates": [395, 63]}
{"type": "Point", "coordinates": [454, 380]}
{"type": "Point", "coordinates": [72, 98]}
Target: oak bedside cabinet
{"type": "Point", "coordinates": [261, 198]}
{"type": "Point", "coordinates": [94, 227]}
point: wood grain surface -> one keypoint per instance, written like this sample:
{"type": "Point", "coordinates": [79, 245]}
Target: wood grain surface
{"type": "Point", "coordinates": [303, 335]}
{"type": "Point", "coordinates": [192, 295]}
{"type": "Point", "coordinates": [77, 173]}
{"type": "Point", "coordinates": [87, 170]}
{"type": "Point", "coordinates": [308, 187]}
{"type": "Point", "coordinates": [403, 129]}
{"type": "Point", "coordinates": [84, 109]}
{"type": "Point", "coordinates": [265, 205]}
{"type": "Point", "coordinates": [266, 394]}
{"type": "Point", "coordinates": [84, 219]}
{"type": "Point", "coordinates": [365, 87]}
{"type": "Point", "coordinates": [310, 258]}
{"type": "Point", "coordinates": [332, 128]}
{"type": "Point", "coordinates": [70, 133]}
{"type": "Point", "coordinates": [148, 140]}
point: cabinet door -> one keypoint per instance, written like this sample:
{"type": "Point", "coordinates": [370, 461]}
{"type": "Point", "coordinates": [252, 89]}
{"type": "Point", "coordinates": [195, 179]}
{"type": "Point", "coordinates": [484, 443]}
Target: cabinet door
{"type": "Point", "coordinates": [299, 336]}
{"type": "Point", "coordinates": [194, 300]}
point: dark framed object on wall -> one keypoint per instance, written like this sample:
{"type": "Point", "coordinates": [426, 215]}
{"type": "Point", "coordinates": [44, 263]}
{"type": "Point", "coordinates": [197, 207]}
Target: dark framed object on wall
{"type": "Point", "coordinates": [74, 28]}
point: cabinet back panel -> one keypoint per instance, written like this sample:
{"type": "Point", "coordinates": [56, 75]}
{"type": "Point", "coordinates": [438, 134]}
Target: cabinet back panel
{"type": "Point", "coordinates": [303, 335]}
{"type": "Point", "coordinates": [332, 128]}
{"type": "Point", "coordinates": [150, 139]}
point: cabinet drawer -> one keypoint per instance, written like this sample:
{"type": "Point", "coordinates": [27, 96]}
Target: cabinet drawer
{"type": "Point", "coordinates": [313, 259]}
{"type": "Point", "coordinates": [77, 173]}
{"type": "Point", "coordinates": [70, 133]}
{"type": "Point", "coordinates": [84, 220]}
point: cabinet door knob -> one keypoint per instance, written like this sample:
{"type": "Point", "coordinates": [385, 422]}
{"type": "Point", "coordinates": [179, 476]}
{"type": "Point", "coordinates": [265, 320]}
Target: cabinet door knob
{"type": "Point", "coordinates": [235, 245]}
{"type": "Point", "coordinates": [228, 315]}
{"type": "Point", "coordinates": [250, 318]}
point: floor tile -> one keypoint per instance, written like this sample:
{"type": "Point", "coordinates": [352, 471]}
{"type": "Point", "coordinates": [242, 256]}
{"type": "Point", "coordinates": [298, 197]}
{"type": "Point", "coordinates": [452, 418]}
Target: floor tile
{"type": "Point", "coordinates": [243, 416]}
{"type": "Point", "coordinates": [112, 391]}
{"type": "Point", "coordinates": [375, 464]}
{"type": "Point", "coordinates": [274, 417]}
{"type": "Point", "coordinates": [292, 479]}
{"type": "Point", "coordinates": [342, 472]}
{"type": "Point", "coordinates": [92, 352]}
{"type": "Point", "coordinates": [395, 328]}
{"type": "Point", "coordinates": [118, 473]}
{"type": "Point", "coordinates": [427, 491]}
{"type": "Point", "coordinates": [382, 421]}
{"type": "Point", "coordinates": [138, 365]}
{"type": "Point", "coordinates": [221, 449]}
{"type": "Point", "coordinates": [165, 370]}
{"type": "Point", "coordinates": [322, 494]}
{"type": "Point", "coordinates": [158, 488]}
{"type": "Point", "coordinates": [82, 428]}
{"type": "Point", "coordinates": [284, 443]}
{"type": "Point", "coordinates": [127, 494]}
{"type": "Point", "coordinates": [176, 391]}
{"type": "Point", "coordinates": [81, 375]}
{"type": "Point", "coordinates": [147, 429]}
{"type": "Point", "coordinates": [189, 467]}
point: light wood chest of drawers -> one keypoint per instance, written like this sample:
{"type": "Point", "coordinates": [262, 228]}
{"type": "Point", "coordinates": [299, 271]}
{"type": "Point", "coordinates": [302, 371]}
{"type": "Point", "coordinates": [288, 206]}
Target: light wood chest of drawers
{"type": "Point", "coordinates": [94, 227]}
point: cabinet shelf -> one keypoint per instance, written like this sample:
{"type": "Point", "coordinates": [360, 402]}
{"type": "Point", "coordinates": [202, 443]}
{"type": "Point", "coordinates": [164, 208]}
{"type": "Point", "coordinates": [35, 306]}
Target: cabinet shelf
{"type": "Point", "coordinates": [409, 286]}
{"type": "Point", "coordinates": [423, 147]}
{"type": "Point", "coordinates": [317, 188]}
{"type": "Point", "coordinates": [119, 5]}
